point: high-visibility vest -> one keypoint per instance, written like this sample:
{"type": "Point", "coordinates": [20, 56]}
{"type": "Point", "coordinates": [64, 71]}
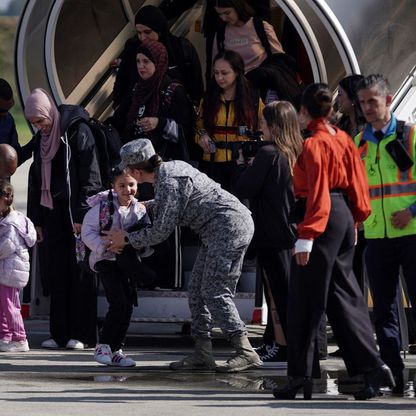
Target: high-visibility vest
{"type": "Point", "coordinates": [390, 189]}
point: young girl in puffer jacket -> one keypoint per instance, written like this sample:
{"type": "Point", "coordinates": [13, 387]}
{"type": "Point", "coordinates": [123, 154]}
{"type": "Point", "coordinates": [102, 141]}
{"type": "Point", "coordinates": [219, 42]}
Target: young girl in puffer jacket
{"type": "Point", "coordinates": [17, 234]}
{"type": "Point", "coordinates": [117, 208]}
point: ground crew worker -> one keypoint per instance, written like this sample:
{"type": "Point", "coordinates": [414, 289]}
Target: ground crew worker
{"type": "Point", "coordinates": [390, 230]}
{"type": "Point", "coordinates": [186, 197]}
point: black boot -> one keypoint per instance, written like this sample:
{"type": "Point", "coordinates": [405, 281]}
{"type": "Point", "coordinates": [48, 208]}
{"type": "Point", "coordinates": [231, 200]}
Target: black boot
{"type": "Point", "coordinates": [374, 379]}
{"type": "Point", "coordinates": [294, 384]}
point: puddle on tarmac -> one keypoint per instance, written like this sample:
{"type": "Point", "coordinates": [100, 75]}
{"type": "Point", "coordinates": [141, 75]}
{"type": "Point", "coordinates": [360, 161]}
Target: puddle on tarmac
{"type": "Point", "coordinates": [332, 383]}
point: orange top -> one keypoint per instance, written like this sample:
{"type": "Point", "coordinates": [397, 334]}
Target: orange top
{"type": "Point", "coordinates": [329, 162]}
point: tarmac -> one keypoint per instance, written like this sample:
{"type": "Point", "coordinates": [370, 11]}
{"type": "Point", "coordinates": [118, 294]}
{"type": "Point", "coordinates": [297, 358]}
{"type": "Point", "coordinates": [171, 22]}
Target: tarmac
{"type": "Point", "coordinates": [62, 382]}
{"type": "Point", "coordinates": [50, 382]}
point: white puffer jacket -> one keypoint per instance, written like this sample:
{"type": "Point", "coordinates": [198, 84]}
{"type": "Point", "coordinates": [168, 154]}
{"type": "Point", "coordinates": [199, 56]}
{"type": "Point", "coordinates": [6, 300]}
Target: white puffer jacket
{"type": "Point", "coordinates": [123, 218]}
{"type": "Point", "coordinates": [17, 233]}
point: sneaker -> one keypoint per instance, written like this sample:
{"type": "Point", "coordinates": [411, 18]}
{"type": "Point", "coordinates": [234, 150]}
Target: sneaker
{"type": "Point", "coordinates": [121, 360]}
{"type": "Point", "coordinates": [262, 350]}
{"type": "Point", "coordinates": [15, 346]}
{"type": "Point", "coordinates": [49, 343]}
{"type": "Point", "coordinates": [273, 354]}
{"type": "Point", "coordinates": [74, 344]}
{"type": "Point", "coordinates": [102, 354]}
{"type": "Point", "coordinates": [4, 341]}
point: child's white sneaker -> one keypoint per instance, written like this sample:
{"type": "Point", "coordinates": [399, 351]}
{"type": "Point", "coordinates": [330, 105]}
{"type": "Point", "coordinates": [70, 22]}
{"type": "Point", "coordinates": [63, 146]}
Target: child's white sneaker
{"type": "Point", "coordinates": [15, 346]}
{"type": "Point", "coordinates": [3, 341]}
{"type": "Point", "coordinates": [50, 344]}
{"type": "Point", "coordinates": [121, 360]}
{"type": "Point", "coordinates": [74, 344]}
{"type": "Point", "coordinates": [102, 354]}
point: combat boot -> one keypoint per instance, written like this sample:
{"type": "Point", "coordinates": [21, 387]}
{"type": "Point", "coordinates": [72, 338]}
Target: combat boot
{"type": "Point", "coordinates": [201, 359]}
{"type": "Point", "coordinates": [244, 358]}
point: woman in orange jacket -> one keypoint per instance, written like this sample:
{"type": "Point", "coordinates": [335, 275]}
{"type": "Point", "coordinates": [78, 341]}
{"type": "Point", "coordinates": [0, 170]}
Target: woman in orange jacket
{"type": "Point", "coordinates": [330, 181]}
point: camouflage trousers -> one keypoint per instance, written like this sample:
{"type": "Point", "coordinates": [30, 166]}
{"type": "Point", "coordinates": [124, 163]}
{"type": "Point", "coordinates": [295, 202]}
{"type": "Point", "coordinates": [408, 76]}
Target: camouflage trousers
{"type": "Point", "coordinates": [212, 287]}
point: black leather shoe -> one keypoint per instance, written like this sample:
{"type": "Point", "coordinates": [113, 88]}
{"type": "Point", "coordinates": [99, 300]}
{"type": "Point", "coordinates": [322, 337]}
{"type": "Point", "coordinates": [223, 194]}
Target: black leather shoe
{"type": "Point", "coordinates": [374, 379]}
{"type": "Point", "coordinates": [294, 384]}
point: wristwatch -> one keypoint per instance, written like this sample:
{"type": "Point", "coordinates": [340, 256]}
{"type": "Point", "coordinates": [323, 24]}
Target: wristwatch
{"type": "Point", "coordinates": [126, 239]}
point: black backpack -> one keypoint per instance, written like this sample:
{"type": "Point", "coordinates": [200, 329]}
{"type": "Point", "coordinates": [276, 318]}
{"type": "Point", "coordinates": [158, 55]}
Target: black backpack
{"type": "Point", "coordinates": [190, 151]}
{"type": "Point", "coordinates": [108, 145]}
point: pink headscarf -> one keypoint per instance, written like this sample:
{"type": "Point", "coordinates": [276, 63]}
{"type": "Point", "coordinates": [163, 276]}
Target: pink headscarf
{"type": "Point", "coordinates": [40, 104]}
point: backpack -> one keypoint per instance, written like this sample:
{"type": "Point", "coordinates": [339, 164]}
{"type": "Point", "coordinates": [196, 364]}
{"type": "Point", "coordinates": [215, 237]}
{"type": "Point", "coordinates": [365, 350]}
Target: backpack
{"type": "Point", "coordinates": [105, 218]}
{"type": "Point", "coordinates": [108, 145]}
{"type": "Point", "coordinates": [192, 150]}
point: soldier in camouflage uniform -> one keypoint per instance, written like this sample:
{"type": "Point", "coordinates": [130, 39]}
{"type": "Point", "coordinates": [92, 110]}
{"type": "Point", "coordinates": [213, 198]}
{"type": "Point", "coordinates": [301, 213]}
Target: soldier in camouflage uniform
{"type": "Point", "coordinates": [186, 197]}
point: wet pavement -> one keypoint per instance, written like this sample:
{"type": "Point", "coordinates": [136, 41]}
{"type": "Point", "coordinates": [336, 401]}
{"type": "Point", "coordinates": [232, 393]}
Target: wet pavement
{"type": "Point", "coordinates": [61, 382]}
{"type": "Point", "coordinates": [46, 382]}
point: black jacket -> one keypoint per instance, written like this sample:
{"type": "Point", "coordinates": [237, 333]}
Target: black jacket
{"type": "Point", "coordinates": [268, 185]}
{"type": "Point", "coordinates": [184, 66]}
{"type": "Point", "coordinates": [175, 106]}
{"type": "Point", "coordinates": [84, 172]}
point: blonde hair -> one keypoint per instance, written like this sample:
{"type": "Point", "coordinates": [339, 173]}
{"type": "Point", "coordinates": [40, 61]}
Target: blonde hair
{"type": "Point", "coordinates": [282, 120]}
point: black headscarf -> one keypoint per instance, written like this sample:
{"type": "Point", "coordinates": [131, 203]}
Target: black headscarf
{"type": "Point", "coordinates": [153, 18]}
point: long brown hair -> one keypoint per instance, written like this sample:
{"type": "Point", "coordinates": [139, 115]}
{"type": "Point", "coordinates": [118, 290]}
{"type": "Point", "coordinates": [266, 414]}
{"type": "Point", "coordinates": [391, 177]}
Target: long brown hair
{"type": "Point", "coordinates": [282, 120]}
{"type": "Point", "coordinates": [244, 101]}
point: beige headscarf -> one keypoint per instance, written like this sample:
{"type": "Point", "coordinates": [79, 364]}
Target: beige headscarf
{"type": "Point", "coordinates": [40, 104]}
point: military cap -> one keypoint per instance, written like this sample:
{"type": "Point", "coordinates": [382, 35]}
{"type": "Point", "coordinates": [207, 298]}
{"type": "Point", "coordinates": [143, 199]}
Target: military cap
{"type": "Point", "coordinates": [136, 151]}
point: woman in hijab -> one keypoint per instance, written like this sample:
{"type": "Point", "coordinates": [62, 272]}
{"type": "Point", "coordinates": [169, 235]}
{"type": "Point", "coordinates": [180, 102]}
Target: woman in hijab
{"type": "Point", "coordinates": [184, 65]}
{"type": "Point", "coordinates": [159, 108]}
{"type": "Point", "coordinates": [63, 174]}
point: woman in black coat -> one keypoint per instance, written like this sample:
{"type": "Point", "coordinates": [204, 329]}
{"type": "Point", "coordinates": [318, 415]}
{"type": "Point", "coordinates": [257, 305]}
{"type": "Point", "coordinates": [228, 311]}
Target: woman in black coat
{"type": "Point", "coordinates": [64, 173]}
{"type": "Point", "coordinates": [184, 64]}
{"type": "Point", "coordinates": [268, 185]}
{"type": "Point", "coordinates": [158, 107]}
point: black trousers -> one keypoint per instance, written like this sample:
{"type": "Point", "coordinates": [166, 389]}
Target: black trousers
{"type": "Point", "coordinates": [383, 259]}
{"type": "Point", "coordinates": [327, 285]}
{"type": "Point", "coordinates": [73, 293]}
{"type": "Point", "coordinates": [120, 296]}
{"type": "Point", "coordinates": [275, 264]}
